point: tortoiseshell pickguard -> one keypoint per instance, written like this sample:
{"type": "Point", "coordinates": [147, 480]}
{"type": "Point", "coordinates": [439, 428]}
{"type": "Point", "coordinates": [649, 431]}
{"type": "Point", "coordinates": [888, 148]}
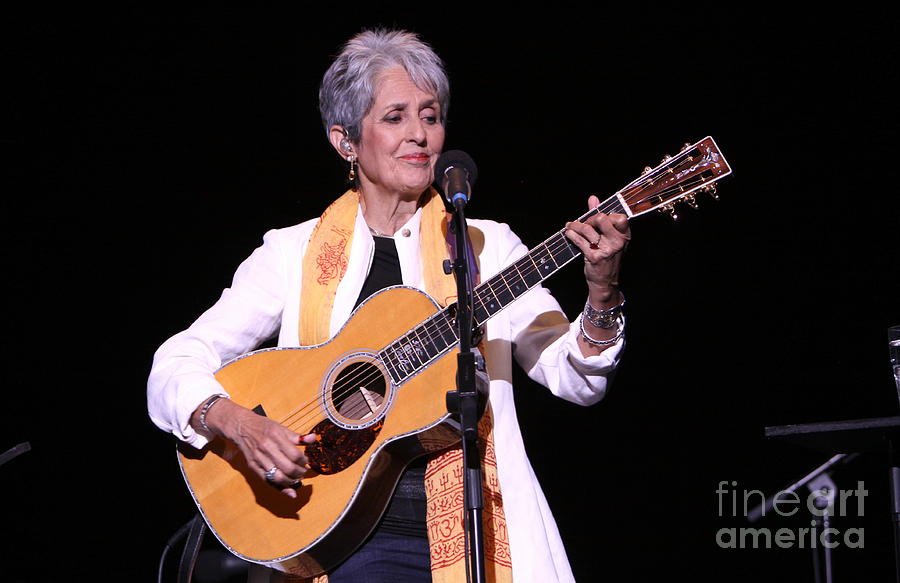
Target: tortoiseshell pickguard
{"type": "Point", "coordinates": [338, 448]}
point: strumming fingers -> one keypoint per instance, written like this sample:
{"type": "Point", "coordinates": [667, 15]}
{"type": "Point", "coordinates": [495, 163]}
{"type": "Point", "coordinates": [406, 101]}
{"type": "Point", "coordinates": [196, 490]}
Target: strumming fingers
{"type": "Point", "coordinates": [275, 477]}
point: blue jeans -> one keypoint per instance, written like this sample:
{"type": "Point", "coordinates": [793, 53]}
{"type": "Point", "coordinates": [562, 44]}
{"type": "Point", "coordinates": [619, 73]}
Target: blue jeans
{"type": "Point", "coordinates": [386, 558]}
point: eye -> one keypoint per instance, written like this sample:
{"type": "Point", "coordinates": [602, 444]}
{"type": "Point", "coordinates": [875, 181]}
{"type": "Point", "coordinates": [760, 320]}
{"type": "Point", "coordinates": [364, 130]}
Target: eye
{"type": "Point", "coordinates": [431, 116]}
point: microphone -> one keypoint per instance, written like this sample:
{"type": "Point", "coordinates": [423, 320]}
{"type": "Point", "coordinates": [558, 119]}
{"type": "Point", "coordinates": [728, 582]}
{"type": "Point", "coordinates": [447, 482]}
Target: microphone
{"type": "Point", "coordinates": [455, 173]}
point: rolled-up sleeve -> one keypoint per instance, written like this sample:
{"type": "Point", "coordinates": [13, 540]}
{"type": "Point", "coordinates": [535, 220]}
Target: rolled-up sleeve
{"type": "Point", "coordinates": [546, 342]}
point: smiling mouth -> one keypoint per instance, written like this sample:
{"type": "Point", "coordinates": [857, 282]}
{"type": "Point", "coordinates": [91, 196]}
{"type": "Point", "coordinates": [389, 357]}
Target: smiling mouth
{"type": "Point", "coordinates": [416, 158]}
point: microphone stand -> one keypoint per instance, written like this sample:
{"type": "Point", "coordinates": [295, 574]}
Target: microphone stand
{"type": "Point", "coordinates": [14, 452]}
{"type": "Point", "coordinates": [465, 400]}
{"type": "Point", "coordinates": [769, 504]}
{"type": "Point", "coordinates": [823, 488]}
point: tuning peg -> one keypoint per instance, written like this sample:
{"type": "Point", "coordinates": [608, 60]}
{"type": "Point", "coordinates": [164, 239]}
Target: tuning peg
{"type": "Point", "coordinates": [711, 190]}
{"type": "Point", "coordinates": [669, 208]}
{"type": "Point", "coordinates": [646, 171]}
{"type": "Point", "coordinates": [691, 201]}
{"type": "Point", "coordinates": [666, 158]}
{"type": "Point", "coordinates": [686, 146]}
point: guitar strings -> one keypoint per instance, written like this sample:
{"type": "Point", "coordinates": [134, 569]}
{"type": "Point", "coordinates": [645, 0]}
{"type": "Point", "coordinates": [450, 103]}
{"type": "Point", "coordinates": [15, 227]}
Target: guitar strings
{"type": "Point", "coordinates": [351, 383]}
{"type": "Point", "coordinates": [553, 245]}
{"type": "Point", "coordinates": [646, 181]}
{"type": "Point", "coordinates": [356, 380]}
{"type": "Point", "coordinates": [439, 325]}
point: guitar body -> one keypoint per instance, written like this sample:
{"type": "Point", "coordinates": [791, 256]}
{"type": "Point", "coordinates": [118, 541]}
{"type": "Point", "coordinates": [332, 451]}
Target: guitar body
{"type": "Point", "coordinates": [366, 439]}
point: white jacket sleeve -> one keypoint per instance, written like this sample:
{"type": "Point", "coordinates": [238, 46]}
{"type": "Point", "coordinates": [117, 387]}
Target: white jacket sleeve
{"type": "Point", "coordinates": [546, 343]}
{"type": "Point", "coordinates": [248, 313]}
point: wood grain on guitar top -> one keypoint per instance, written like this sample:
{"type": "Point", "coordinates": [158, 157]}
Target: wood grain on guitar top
{"type": "Point", "coordinates": [259, 523]}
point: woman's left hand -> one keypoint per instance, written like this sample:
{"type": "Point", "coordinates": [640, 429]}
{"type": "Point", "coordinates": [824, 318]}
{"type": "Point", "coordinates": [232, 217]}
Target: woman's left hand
{"type": "Point", "coordinates": [601, 238]}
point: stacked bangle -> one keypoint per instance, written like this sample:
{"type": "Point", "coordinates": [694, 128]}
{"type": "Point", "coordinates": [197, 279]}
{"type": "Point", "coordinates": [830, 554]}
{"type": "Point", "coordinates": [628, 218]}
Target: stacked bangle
{"type": "Point", "coordinates": [205, 410]}
{"type": "Point", "coordinates": [605, 319]}
{"type": "Point", "coordinates": [621, 323]}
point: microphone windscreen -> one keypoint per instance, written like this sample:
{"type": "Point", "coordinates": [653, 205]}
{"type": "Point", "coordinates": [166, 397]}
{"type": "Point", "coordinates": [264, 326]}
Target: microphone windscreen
{"type": "Point", "coordinates": [455, 159]}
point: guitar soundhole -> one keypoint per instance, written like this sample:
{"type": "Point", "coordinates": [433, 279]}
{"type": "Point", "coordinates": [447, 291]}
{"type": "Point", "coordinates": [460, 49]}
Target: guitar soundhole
{"type": "Point", "coordinates": [358, 393]}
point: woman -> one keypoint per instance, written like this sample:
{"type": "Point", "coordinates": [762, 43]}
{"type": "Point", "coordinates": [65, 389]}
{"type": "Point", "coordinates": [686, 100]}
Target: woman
{"type": "Point", "coordinates": [384, 104]}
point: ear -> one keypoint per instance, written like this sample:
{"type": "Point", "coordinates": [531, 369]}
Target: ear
{"type": "Point", "coordinates": [340, 142]}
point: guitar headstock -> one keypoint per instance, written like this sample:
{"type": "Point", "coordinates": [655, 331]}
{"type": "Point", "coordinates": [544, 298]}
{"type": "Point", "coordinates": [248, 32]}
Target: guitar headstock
{"type": "Point", "coordinates": [696, 168]}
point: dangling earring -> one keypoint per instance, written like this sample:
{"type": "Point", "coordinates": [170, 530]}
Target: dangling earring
{"type": "Point", "coordinates": [352, 176]}
{"type": "Point", "coordinates": [345, 146]}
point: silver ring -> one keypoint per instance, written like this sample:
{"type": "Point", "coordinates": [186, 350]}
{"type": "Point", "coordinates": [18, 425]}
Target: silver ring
{"type": "Point", "coordinates": [270, 475]}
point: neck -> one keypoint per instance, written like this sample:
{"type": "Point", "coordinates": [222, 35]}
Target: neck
{"type": "Point", "coordinates": [387, 213]}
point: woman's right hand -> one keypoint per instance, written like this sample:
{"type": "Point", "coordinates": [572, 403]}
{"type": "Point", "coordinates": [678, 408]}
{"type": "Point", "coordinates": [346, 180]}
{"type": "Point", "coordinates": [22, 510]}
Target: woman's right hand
{"type": "Point", "coordinates": [264, 443]}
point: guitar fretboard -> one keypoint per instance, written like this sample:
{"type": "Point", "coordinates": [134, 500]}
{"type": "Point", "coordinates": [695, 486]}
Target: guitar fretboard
{"type": "Point", "coordinates": [413, 351]}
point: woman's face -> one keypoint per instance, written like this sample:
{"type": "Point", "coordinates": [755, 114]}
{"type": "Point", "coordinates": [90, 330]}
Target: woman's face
{"type": "Point", "coordinates": [401, 137]}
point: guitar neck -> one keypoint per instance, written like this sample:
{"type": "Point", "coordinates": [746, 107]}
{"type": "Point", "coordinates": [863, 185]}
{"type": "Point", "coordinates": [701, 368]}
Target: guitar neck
{"type": "Point", "coordinates": [537, 265]}
{"type": "Point", "coordinates": [413, 351]}
{"type": "Point", "coordinates": [696, 168]}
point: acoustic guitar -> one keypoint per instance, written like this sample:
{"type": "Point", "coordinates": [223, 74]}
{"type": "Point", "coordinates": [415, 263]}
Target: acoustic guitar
{"type": "Point", "coordinates": [375, 394]}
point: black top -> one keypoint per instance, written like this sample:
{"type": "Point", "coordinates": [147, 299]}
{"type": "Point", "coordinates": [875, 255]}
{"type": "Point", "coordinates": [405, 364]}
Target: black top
{"type": "Point", "coordinates": [385, 270]}
{"type": "Point", "coordinates": [406, 512]}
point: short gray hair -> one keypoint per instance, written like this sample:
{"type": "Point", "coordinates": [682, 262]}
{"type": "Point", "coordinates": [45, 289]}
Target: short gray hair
{"type": "Point", "coordinates": [347, 91]}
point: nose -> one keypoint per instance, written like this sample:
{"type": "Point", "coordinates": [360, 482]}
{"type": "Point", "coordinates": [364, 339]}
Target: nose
{"type": "Point", "coordinates": [416, 131]}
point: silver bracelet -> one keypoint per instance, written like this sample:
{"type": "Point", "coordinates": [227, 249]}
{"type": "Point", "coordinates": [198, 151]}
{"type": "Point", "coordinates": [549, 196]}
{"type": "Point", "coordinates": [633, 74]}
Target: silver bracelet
{"type": "Point", "coordinates": [613, 340]}
{"type": "Point", "coordinates": [205, 410]}
{"type": "Point", "coordinates": [605, 319]}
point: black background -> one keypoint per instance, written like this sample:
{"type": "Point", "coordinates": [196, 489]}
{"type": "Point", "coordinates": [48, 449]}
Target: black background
{"type": "Point", "coordinates": [146, 150]}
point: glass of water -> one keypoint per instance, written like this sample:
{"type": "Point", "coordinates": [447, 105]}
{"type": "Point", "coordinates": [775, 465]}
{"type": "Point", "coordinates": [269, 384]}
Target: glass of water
{"type": "Point", "coordinates": [894, 344]}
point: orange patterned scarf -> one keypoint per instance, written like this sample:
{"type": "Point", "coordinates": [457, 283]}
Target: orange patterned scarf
{"type": "Point", "coordinates": [324, 265]}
